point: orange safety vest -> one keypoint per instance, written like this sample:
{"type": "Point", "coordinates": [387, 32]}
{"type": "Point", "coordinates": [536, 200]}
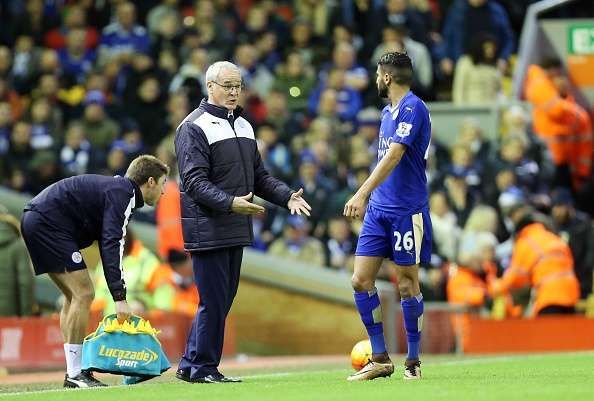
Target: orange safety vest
{"type": "Point", "coordinates": [543, 260]}
{"type": "Point", "coordinates": [168, 216]}
{"type": "Point", "coordinates": [185, 300]}
{"type": "Point", "coordinates": [562, 123]}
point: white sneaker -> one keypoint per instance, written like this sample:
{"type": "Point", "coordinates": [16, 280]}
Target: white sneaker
{"type": "Point", "coordinates": [412, 369]}
{"type": "Point", "coordinates": [372, 371]}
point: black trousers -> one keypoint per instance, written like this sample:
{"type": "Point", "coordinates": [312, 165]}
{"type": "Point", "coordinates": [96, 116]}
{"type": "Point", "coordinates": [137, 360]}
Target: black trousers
{"type": "Point", "coordinates": [216, 274]}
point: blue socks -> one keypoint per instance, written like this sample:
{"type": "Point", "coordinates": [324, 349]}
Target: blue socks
{"type": "Point", "coordinates": [412, 311]}
{"type": "Point", "coordinates": [369, 307]}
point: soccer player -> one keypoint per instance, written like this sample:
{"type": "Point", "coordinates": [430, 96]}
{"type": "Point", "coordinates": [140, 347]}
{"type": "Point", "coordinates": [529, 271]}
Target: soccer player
{"type": "Point", "coordinates": [396, 222]}
{"type": "Point", "coordinates": [68, 216]}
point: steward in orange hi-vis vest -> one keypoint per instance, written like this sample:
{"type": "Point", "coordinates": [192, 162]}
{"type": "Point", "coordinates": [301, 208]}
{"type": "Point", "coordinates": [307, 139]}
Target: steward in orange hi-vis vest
{"type": "Point", "coordinates": [542, 260]}
{"type": "Point", "coordinates": [557, 119]}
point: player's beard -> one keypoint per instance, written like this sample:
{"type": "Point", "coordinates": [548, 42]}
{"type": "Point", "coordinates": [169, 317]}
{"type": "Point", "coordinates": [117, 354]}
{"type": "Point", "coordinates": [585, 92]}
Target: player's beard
{"type": "Point", "coordinates": [382, 90]}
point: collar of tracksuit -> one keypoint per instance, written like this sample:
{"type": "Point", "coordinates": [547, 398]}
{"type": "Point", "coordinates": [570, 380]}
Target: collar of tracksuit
{"type": "Point", "coordinates": [218, 111]}
{"type": "Point", "coordinates": [139, 201]}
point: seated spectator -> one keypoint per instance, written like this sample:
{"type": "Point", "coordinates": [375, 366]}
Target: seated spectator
{"type": "Point", "coordinates": [316, 188]}
{"type": "Point", "coordinates": [296, 80]}
{"type": "Point", "coordinates": [464, 21]}
{"type": "Point", "coordinates": [398, 12]}
{"type": "Point", "coordinates": [75, 59]}
{"type": "Point", "coordinates": [365, 141]}
{"type": "Point", "coordinates": [267, 48]}
{"type": "Point", "coordinates": [575, 228]}
{"type": "Point", "coordinates": [344, 57]}
{"type": "Point", "coordinates": [561, 122]}
{"type": "Point", "coordinates": [44, 128]}
{"type": "Point", "coordinates": [76, 152]}
{"type": "Point", "coordinates": [123, 37]}
{"type": "Point", "coordinates": [5, 127]}
{"type": "Point", "coordinates": [340, 245]}
{"type": "Point", "coordinates": [45, 170]}
{"type": "Point", "coordinates": [348, 100]}
{"type": "Point", "coordinates": [20, 151]}
{"type": "Point", "coordinates": [275, 155]}
{"type": "Point", "coordinates": [74, 18]}
{"type": "Point", "coordinates": [476, 79]}
{"type": "Point", "coordinates": [459, 196]}
{"type": "Point", "coordinates": [16, 274]}
{"type": "Point", "coordinates": [395, 38]}
{"type": "Point", "coordinates": [190, 76]}
{"type": "Point", "coordinates": [255, 76]}
{"type": "Point", "coordinates": [100, 130]}
{"type": "Point", "coordinates": [512, 156]}
{"type": "Point", "coordinates": [446, 232]}
{"type": "Point", "coordinates": [296, 244]}
{"type": "Point", "coordinates": [540, 259]}
{"type": "Point", "coordinates": [131, 141]}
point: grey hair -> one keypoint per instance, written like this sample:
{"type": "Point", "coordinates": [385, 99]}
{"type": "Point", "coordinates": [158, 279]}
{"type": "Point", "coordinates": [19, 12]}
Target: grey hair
{"type": "Point", "coordinates": [212, 73]}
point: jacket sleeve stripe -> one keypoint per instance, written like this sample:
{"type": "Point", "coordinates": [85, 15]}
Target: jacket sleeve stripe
{"type": "Point", "coordinates": [127, 215]}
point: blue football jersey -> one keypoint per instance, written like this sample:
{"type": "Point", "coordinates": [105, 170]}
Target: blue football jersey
{"type": "Point", "coordinates": [404, 191]}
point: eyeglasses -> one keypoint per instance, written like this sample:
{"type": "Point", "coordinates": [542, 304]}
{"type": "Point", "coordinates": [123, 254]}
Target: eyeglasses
{"type": "Point", "coordinates": [229, 88]}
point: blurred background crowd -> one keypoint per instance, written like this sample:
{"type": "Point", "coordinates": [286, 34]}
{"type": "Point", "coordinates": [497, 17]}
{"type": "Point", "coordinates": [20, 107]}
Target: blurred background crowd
{"type": "Point", "coordinates": [86, 86]}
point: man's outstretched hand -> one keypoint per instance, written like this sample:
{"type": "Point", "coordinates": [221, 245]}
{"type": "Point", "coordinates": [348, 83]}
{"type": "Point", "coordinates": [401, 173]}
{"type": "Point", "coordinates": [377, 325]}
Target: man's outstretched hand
{"type": "Point", "coordinates": [297, 204]}
{"type": "Point", "coordinates": [242, 205]}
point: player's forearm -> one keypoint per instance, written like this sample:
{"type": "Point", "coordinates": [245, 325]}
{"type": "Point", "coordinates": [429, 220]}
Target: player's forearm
{"type": "Point", "coordinates": [383, 169]}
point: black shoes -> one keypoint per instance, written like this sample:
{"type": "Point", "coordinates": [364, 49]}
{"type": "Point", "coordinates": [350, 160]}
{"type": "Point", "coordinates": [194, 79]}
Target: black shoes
{"type": "Point", "coordinates": [213, 378]}
{"type": "Point", "coordinates": [84, 379]}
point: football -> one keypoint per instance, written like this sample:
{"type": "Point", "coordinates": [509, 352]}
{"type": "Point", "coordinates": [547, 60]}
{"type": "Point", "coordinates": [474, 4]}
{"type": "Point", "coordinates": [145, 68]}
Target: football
{"type": "Point", "coordinates": [361, 354]}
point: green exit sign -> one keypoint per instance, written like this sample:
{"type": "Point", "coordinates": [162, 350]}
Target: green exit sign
{"type": "Point", "coordinates": [581, 39]}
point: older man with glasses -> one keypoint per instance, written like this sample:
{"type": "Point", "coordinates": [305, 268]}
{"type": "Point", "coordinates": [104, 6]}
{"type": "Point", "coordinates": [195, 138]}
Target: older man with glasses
{"type": "Point", "coordinates": [220, 171]}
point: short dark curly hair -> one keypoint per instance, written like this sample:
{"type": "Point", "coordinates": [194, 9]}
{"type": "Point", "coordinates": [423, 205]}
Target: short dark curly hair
{"type": "Point", "coordinates": [399, 66]}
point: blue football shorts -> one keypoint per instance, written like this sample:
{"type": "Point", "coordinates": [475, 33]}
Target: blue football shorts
{"type": "Point", "coordinates": [405, 239]}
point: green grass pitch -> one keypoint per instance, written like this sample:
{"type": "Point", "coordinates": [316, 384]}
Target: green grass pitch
{"type": "Point", "coordinates": [540, 377]}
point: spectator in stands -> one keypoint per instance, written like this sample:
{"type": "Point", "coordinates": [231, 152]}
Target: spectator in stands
{"type": "Point", "coordinates": [316, 13]}
{"type": "Point", "coordinates": [464, 21]}
{"type": "Point", "coordinates": [76, 152]}
{"type": "Point", "coordinates": [5, 127]}
{"type": "Point", "coordinates": [540, 259]}
{"type": "Point", "coordinates": [20, 151]}
{"type": "Point", "coordinates": [348, 99]}
{"type": "Point", "coordinates": [255, 77]}
{"type": "Point", "coordinates": [512, 156]}
{"type": "Point", "coordinates": [277, 113]}
{"type": "Point", "coordinates": [398, 12]}
{"type": "Point", "coordinates": [459, 196]}
{"type": "Point", "coordinates": [296, 80]}
{"type": "Point", "coordinates": [395, 38]}
{"type": "Point", "coordinates": [100, 130]}
{"type": "Point", "coordinates": [477, 81]}
{"type": "Point", "coordinates": [296, 244]}
{"type": "Point", "coordinates": [561, 122]}
{"type": "Point", "coordinates": [364, 142]}
{"type": "Point", "coordinates": [45, 170]}
{"type": "Point", "coordinates": [165, 9]}
{"type": "Point", "coordinates": [316, 188]}
{"type": "Point", "coordinates": [344, 57]}
{"type": "Point", "coordinates": [16, 275]}
{"type": "Point", "coordinates": [123, 37]}
{"type": "Point", "coordinates": [45, 125]}
{"type": "Point", "coordinates": [267, 49]}
{"type": "Point", "coordinates": [190, 76]}
{"type": "Point", "coordinates": [131, 141]}
{"type": "Point", "coordinates": [75, 59]}
{"type": "Point", "coordinates": [23, 64]}
{"type": "Point", "coordinates": [275, 155]}
{"type": "Point", "coordinates": [446, 232]}
{"type": "Point", "coordinates": [575, 228]}
{"type": "Point", "coordinates": [340, 245]}
{"type": "Point", "coordinates": [74, 18]}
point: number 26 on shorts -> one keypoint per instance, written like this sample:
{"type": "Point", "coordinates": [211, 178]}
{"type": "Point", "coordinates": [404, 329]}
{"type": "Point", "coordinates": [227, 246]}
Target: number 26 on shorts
{"type": "Point", "coordinates": [406, 241]}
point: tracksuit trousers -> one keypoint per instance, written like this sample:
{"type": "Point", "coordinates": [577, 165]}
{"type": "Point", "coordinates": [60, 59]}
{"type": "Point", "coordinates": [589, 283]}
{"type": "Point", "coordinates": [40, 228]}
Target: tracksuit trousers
{"type": "Point", "coordinates": [216, 274]}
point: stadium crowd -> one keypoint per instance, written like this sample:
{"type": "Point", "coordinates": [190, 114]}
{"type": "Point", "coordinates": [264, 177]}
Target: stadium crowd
{"type": "Point", "coordinates": [87, 86]}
